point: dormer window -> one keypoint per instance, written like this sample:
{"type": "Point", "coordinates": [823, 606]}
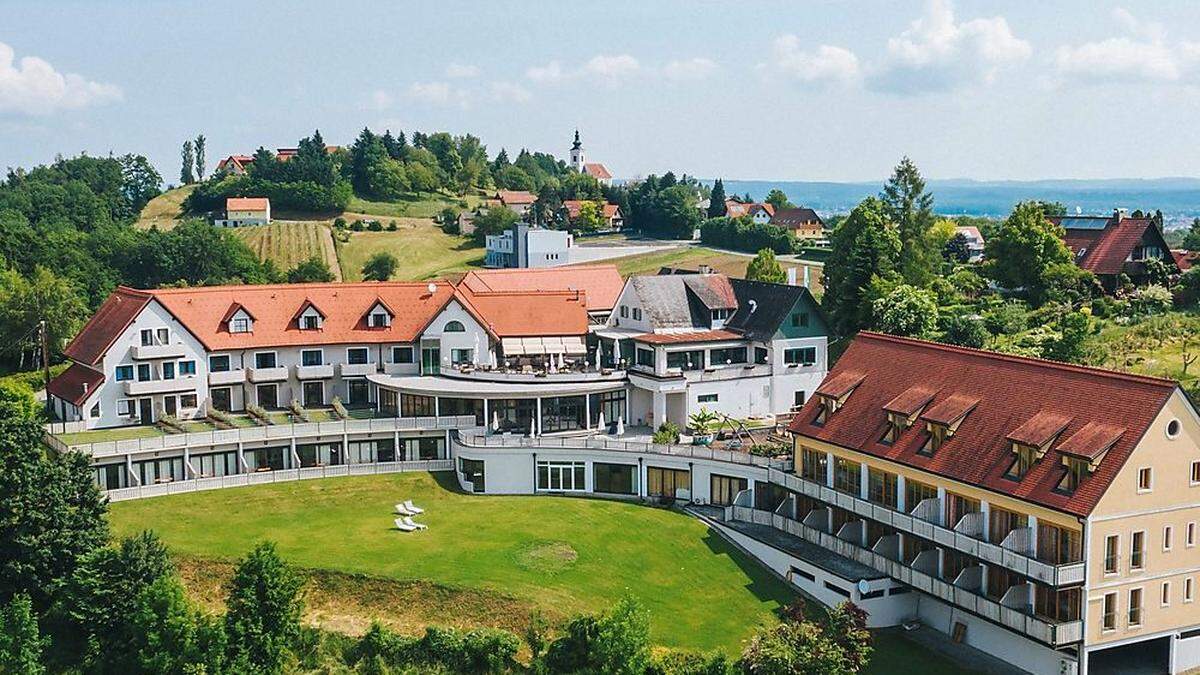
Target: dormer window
{"type": "Point", "coordinates": [1026, 457]}
{"type": "Point", "coordinates": [721, 314]}
{"type": "Point", "coordinates": [238, 319]}
{"type": "Point", "coordinates": [309, 317]}
{"type": "Point", "coordinates": [903, 411]}
{"type": "Point", "coordinates": [1083, 451]}
{"type": "Point", "coordinates": [239, 325]}
{"type": "Point", "coordinates": [942, 420]}
{"type": "Point", "coordinates": [833, 393]}
{"type": "Point", "coordinates": [379, 316]}
{"type": "Point", "coordinates": [310, 322]}
{"type": "Point", "coordinates": [937, 435]}
{"type": "Point", "coordinates": [896, 424]}
{"type": "Point", "coordinates": [378, 320]}
{"type": "Point", "coordinates": [1077, 470]}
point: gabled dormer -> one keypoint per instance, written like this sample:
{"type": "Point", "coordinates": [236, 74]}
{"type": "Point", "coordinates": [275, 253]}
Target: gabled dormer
{"type": "Point", "coordinates": [309, 317]}
{"type": "Point", "coordinates": [902, 412]}
{"type": "Point", "coordinates": [1032, 440]}
{"type": "Point", "coordinates": [238, 319]}
{"type": "Point", "coordinates": [1083, 451]}
{"type": "Point", "coordinates": [833, 393]}
{"type": "Point", "coordinates": [379, 316]}
{"type": "Point", "coordinates": [943, 418]}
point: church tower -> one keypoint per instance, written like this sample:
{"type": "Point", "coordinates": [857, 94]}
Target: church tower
{"type": "Point", "coordinates": [577, 153]}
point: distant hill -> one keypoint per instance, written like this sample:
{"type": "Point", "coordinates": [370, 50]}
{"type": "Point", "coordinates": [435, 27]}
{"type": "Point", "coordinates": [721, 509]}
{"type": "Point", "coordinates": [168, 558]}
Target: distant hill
{"type": "Point", "coordinates": [1178, 198]}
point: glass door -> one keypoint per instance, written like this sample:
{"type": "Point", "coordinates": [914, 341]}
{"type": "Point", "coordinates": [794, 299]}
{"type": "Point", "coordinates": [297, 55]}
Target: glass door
{"type": "Point", "coordinates": [431, 359]}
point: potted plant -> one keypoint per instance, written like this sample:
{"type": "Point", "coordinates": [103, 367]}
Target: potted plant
{"type": "Point", "coordinates": [703, 423]}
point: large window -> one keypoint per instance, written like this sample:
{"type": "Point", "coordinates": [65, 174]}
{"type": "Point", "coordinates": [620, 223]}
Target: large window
{"type": "Point", "coordinates": [800, 355]}
{"type": "Point", "coordinates": [320, 454]}
{"type": "Point", "coordinates": [267, 395]}
{"type": "Point", "coordinates": [472, 470]}
{"type": "Point", "coordinates": [718, 357]}
{"type": "Point", "coordinates": [616, 479]}
{"type": "Point", "coordinates": [154, 471]}
{"type": "Point", "coordinates": [723, 489]}
{"type": "Point", "coordinates": [412, 405]}
{"type": "Point", "coordinates": [611, 403]}
{"type": "Point", "coordinates": [662, 482]}
{"type": "Point", "coordinates": [462, 406]}
{"type": "Point", "coordinates": [513, 415]}
{"type": "Point", "coordinates": [110, 476]}
{"type": "Point", "coordinates": [462, 356]}
{"type": "Point", "coordinates": [219, 363]}
{"type": "Point", "coordinates": [367, 452]}
{"type": "Point", "coordinates": [402, 354]}
{"type": "Point", "coordinates": [311, 357]}
{"type": "Point", "coordinates": [847, 476]}
{"type": "Point", "coordinates": [266, 459]}
{"type": "Point", "coordinates": [881, 487]}
{"type": "Point", "coordinates": [645, 357]}
{"type": "Point", "coordinates": [264, 360]}
{"type": "Point", "coordinates": [813, 465]}
{"type": "Point", "coordinates": [356, 355]}
{"type": "Point", "coordinates": [916, 492]}
{"type": "Point", "coordinates": [424, 447]}
{"type": "Point", "coordinates": [215, 464]}
{"type": "Point", "coordinates": [562, 413]}
{"type": "Point", "coordinates": [561, 476]}
{"type": "Point", "coordinates": [685, 360]}
{"type": "Point", "coordinates": [221, 398]}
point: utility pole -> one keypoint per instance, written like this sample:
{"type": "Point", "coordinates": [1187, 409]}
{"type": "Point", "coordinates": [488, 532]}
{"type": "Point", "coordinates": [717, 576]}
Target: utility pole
{"type": "Point", "coordinates": [45, 339]}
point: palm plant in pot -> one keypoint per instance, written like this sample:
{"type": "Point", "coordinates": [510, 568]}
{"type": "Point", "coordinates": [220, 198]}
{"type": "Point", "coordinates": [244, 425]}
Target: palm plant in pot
{"type": "Point", "coordinates": [703, 424]}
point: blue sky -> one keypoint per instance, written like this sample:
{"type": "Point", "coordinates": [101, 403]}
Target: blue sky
{"type": "Point", "coordinates": [819, 90]}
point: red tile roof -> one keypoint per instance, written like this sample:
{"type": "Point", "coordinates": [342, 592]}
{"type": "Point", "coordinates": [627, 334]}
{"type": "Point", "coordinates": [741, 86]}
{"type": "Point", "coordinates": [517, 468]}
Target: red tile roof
{"type": "Point", "coordinates": [608, 211]}
{"type": "Point", "coordinates": [106, 325]}
{"type": "Point", "coordinates": [597, 170]}
{"type": "Point", "coordinates": [1039, 429]}
{"type": "Point", "coordinates": [1105, 250]}
{"type": "Point", "coordinates": [515, 197]}
{"type": "Point", "coordinates": [1185, 260]}
{"type": "Point", "coordinates": [602, 284]}
{"type": "Point", "coordinates": [247, 204]}
{"type": "Point", "coordinates": [75, 384]}
{"type": "Point", "coordinates": [910, 401]}
{"type": "Point", "coordinates": [1092, 440]}
{"type": "Point", "coordinates": [1010, 391]}
{"type": "Point", "coordinates": [684, 338]}
{"type": "Point", "coordinates": [527, 313]}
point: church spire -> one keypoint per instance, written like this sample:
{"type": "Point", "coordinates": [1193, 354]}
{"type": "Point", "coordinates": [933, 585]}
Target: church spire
{"type": "Point", "coordinates": [576, 145]}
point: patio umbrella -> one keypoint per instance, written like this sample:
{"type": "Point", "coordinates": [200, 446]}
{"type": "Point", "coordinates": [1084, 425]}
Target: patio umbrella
{"type": "Point", "coordinates": [600, 424]}
{"type": "Point", "coordinates": [495, 421]}
{"type": "Point", "coordinates": [532, 427]}
{"type": "Point", "coordinates": [620, 426]}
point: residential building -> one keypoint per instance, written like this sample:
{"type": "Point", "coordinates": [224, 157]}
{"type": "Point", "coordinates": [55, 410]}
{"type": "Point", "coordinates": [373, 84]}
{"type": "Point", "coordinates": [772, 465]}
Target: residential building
{"type": "Point", "coordinates": [594, 169]}
{"type": "Point", "coordinates": [1111, 246]}
{"type": "Point", "coordinates": [975, 242]}
{"type": "Point", "coordinates": [527, 245]}
{"type": "Point", "coordinates": [246, 211]}
{"type": "Point", "coordinates": [519, 201]}
{"type": "Point", "coordinates": [1184, 259]}
{"type": "Point", "coordinates": [601, 283]}
{"type": "Point", "coordinates": [611, 214]}
{"type": "Point", "coordinates": [761, 214]}
{"type": "Point", "coordinates": [236, 165]}
{"type": "Point", "coordinates": [1041, 512]}
{"type": "Point", "coordinates": [803, 222]}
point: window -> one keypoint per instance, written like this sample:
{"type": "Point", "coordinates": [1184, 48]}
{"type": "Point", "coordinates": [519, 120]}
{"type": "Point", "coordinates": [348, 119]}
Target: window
{"type": "Point", "coordinates": [454, 327]}
{"type": "Point", "coordinates": [1026, 456]}
{"type": "Point", "coordinates": [624, 312]}
{"type": "Point", "coordinates": [722, 490]}
{"type": "Point", "coordinates": [379, 320]}
{"type": "Point", "coordinates": [685, 360]}
{"type": "Point", "coordinates": [896, 424]}
{"type": "Point", "coordinates": [267, 395]}
{"type": "Point", "coordinates": [882, 487]}
{"type": "Point", "coordinates": [1165, 595]}
{"type": "Point", "coordinates": [847, 476]}
{"type": "Point", "coordinates": [218, 364]}
{"type": "Point", "coordinates": [461, 356]}
{"type": "Point", "coordinates": [1196, 473]}
{"type": "Point", "coordinates": [124, 373]}
{"type": "Point", "coordinates": [1190, 537]}
{"type": "Point", "coordinates": [239, 325]}
{"type": "Point", "coordinates": [812, 465]}
{"type": "Point", "coordinates": [645, 357]}
{"type": "Point", "coordinates": [1112, 544]}
{"type": "Point", "coordinates": [1135, 607]}
{"type": "Point", "coordinates": [800, 355]}
{"type": "Point", "coordinates": [1145, 479]}
{"type": "Point", "coordinates": [168, 371]}
{"type": "Point", "coordinates": [1110, 611]}
{"type": "Point", "coordinates": [95, 411]}
{"type": "Point", "coordinates": [706, 398]}
{"type": "Point", "coordinates": [312, 357]}
{"type": "Point", "coordinates": [187, 367]}
{"type": "Point", "coordinates": [147, 337]}
{"type": "Point", "coordinates": [1173, 428]}
{"type": "Point", "coordinates": [264, 360]}
{"type": "Point", "coordinates": [1188, 590]}
{"type": "Point", "coordinates": [798, 399]}
{"type": "Point", "coordinates": [561, 476]}
{"type": "Point", "coordinates": [760, 354]}
{"type": "Point", "coordinates": [727, 356]}
{"type": "Point", "coordinates": [617, 479]}
{"type": "Point", "coordinates": [402, 354]}
{"type": "Point", "coordinates": [187, 400]}
{"type": "Point", "coordinates": [662, 482]}
{"type": "Point", "coordinates": [937, 434]}
{"type": "Point", "coordinates": [162, 335]}
{"type": "Point", "coordinates": [637, 313]}
{"type": "Point", "coordinates": [799, 319]}
{"type": "Point", "coordinates": [356, 355]}
{"type": "Point", "coordinates": [143, 372]}
{"type": "Point", "coordinates": [1167, 532]}
{"type": "Point", "coordinates": [310, 322]}
{"type": "Point", "coordinates": [1077, 470]}
{"type": "Point", "coordinates": [1137, 551]}
{"type": "Point", "coordinates": [125, 407]}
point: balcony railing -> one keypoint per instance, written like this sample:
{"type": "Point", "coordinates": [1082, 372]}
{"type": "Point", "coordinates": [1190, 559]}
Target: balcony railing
{"type": "Point", "coordinates": [274, 374]}
{"type": "Point", "coordinates": [314, 372]}
{"type": "Point", "coordinates": [357, 369]}
{"type": "Point", "coordinates": [1019, 560]}
{"type": "Point", "coordinates": [147, 352]}
{"type": "Point", "coordinates": [728, 372]}
{"type": "Point", "coordinates": [1053, 634]}
{"type": "Point", "coordinates": [219, 377]}
{"type": "Point", "coordinates": [144, 387]}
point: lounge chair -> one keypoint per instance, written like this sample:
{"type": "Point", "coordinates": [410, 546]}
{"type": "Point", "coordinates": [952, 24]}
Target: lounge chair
{"type": "Point", "coordinates": [412, 508]}
{"type": "Point", "coordinates": [403, 526]}
{"type": "Point", "coordinates": [411, 522]}
{"type": "Point", "coordinates": [404, 511]}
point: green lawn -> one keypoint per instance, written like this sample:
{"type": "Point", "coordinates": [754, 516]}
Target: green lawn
{"type": "Point", "coordinates": [423, 205]}
{"type": "Point", "coordinates": [424, 251]}
{"type": "Point", "coordinates": [106, 435]}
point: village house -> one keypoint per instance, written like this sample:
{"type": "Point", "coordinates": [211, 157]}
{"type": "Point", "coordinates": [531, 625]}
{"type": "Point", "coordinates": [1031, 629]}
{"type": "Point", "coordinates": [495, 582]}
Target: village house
{"type": "Point", "coordinates": [246, 211]}
{"type": "Point", "coordinates": [975, 241]}
{"type": "Point", "coordinates": [803, 222]}
{"type": "Point", "coordinates": [594, 169]}
{"type": "Point", "coordinates": [611, 214]}
{"type": "Point", "coordinates": [1112, 246]}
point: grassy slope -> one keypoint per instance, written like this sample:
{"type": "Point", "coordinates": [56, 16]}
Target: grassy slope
{"type": "Point", "coordinates": [289, 242]}
{"type": "Point", "coordinates": [427, 205]}
{"type": "Point", "coordinates": [164, 210]}
{"type": "Point", "coordinates": [422, 248]}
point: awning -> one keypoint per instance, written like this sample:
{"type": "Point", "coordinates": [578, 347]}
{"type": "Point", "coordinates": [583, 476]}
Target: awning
{"type": "Point", "coordinates": [533, 346]}
{"type": "Point", "coordinates": [574, 346]}
{"type": "Point", "coordinates": [512, 346]}
{"type": "Point", "coordinates": [553, 345]}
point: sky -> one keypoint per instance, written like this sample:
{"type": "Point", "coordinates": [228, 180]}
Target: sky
{"type": "Point", "coordinates": [804, 90]}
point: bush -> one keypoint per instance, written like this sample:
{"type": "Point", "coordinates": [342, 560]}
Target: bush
{"type": "Point", "coordinates": [259, 413]}
{"type": "Point", "coordinates": [482, 650]}
{"type": "Point", "coordinates": [339, 223]}
{"type": "Point", "coordinates": [1007, 319]}
{"type": "Point", "coordinates": [357, 225]}
{"type": "Point", "coordinates": [375, 226]}
{"type": "Point", "coordinates": [1150, 300]}
{"type": "Point", "coordinates": [964, 331]}
{"type": "Point", "coordinates": [617, 642]}
{"type": "Point", "coordinates": [667, 434]}
{"type": "Point", "coordinates": [680, 662]}
{"type": "Point", "coordinates": [391, 226]}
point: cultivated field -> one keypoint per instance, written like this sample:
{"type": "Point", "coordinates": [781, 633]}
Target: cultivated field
{"type": "Point", "coordinates": [289, 242]}
{"type": "Point", "coordinates": [164, 210]}
{"type": "Point", "coordinates": [423, 249]}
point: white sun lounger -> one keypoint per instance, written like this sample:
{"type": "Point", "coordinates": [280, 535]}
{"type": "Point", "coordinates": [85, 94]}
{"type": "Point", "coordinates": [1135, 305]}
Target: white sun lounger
{"type": "Point", "coordinates": [403, 526]}
{"type": "Point", "coordinates": [413, 508]}
{"type": "Point", "coordinates": [404, 510]}
{"type": "Point", "coordinates": [410, 521]}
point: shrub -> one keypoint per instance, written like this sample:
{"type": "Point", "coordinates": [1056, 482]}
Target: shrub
{"type": "Point", "coordinates": [1150, 300]}
{"type": "Point", "coordinates": [375, 226]}
{"type": "Point", "coordinates": [222, 418]}
{"type": "Point", "coordinates": [339, 223]}
{"type": "Point", "coordinates": [965, 331]}
{"type": "Point", "coordinates": [667, 434]}
{"type": "Point", "coordinates": [391, 226]}
{"type": "Point", "coordinates": [617, 642]}
{"type": "Point", "coordinates": [259, 413]}
{"type": "Point", "coordinates": [682, 662]}
{"type": "Point", "coordinates": [1006, 319]}
{"type": "Point", "coordinates": [357, 225]}
{"type": "Point", "coordinates": [264, 607]}
{"type": "Point", "coordinates": [339, 408]}
{"type": "Point", "coordinates": [171, 424]}
{"type": "Point", "coordinates": [483, 650]}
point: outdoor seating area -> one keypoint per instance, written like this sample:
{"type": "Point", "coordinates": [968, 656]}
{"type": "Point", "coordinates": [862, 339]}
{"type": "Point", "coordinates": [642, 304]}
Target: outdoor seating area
{"type": "Point", "coordinates": [405, 522]}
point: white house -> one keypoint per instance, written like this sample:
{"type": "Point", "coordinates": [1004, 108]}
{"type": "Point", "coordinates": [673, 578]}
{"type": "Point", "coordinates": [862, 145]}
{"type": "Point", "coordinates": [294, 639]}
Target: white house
{"type": "Point", "coordinates": [246, 211]}
{"type": "Point", "coordinates": [529, 246]}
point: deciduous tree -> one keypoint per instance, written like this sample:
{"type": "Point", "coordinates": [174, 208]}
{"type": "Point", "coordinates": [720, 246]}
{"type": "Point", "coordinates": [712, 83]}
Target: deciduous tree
{"type": "Point", "coordinates": [380, 267]}
{"type": "Point", "coordinates": [907, 310]}
{"type": "Point", "coordinates": [1023, 249]}
{"type": "Point", "coordinates": [866, 246]}
{"type": "Point", "coordinates": [313, 270]}
{"type": "Point", "coordinates": [262, 619]}
{"type": "Point", "coordinates": [764, 267]}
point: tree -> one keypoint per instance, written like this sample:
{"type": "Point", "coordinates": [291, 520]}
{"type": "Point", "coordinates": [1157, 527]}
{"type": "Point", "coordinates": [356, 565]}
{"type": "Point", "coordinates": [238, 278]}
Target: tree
{"type": "Point", "coordinates": [963, 330]}
{"type": "Point", "coordinates": [1071, 331]}
{"type": "Point", "coordinates": [617, 642]}
{"type": "Point", "coordinates": [380, 267]}
{"type": "Point", "coordinates": [765, 267]}
{"type": "Point", "coordinates": [140, 183]}
{"type": "Point", "coordinates": [262, 619]}
{"type": "Point", "coordinates": [1023, 249]}
{"type": "Point", "coordinates": [21, 643]}
{"type": "Point", "coordinates": [495, 220]}
{"type": "Point", "coordinates": [910, 209]}
{"type": "Point", "coordinates": [200, 160]}
{"type": "Point", "coordinates": [171, 636]}
{"type": "Point", "coordinates": [51, 511]}
{"type": "Point", "coordinates": [1191, 238]}
{"type": "Point", "coordinates": [716, 200]}
{"type": "Point", "coordinates": [907, 310]}
{"type": "Point", "coordinates": [313, 270]}
{"type": "Point", "coordinates": [188, 157]}
{"type": "Point", "coordinates": [777, 199]}
{"type": "Point", "coordinates": [866, 247]}
{"type": "Point", "coordinates": [27, 300]}
{"type": "Point", "coordinates": [957, 249]}
{"type": "Point", "coordinates": [590, 218]}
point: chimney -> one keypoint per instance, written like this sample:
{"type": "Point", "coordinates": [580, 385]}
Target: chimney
{"type": "Point", "coordinates": [791, 278]}
{"type": "Point", "coordinates": [85, 388]}
{"type": "Point", "coordinates": [1120, 214]}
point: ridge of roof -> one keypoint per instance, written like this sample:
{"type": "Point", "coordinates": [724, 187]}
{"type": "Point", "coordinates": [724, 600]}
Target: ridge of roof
{"type": "Point", "coordinates": [1014, 358]}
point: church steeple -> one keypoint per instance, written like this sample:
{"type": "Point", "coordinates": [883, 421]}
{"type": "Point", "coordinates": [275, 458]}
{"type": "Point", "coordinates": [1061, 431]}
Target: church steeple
{"type": "Point", "coordinates": [577, 153]}
{"type": "Point", "coordinates": [577, 145]}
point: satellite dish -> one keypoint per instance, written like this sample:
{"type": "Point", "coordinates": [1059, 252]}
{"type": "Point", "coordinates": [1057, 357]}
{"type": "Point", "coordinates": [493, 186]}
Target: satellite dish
{"type": "Point", "coordinates": [432, 288]}
{"type": "Point", "coordinates": [864, 587]}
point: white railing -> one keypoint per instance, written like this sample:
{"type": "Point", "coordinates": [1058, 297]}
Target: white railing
{"type": "Point", "coordinates": [735, 371]}
{"type": "Point", "coordinates": [485, 375]}
{"type": "Point", "coordinates": [280, 476]}
{"type": "Point", "coordinates": [1054, 634]}
{"type": "Point", "coordinates": [477, 439]}
{"type": "Point", "coordinates": [283, 432]}
{"type": "Point", "coordinates": [1017, 560]}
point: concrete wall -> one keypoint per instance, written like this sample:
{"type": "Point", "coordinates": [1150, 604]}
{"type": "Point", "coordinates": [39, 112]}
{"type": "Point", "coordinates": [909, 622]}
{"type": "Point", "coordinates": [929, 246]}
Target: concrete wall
{"type": "Point", "coordinates": [991, 639]}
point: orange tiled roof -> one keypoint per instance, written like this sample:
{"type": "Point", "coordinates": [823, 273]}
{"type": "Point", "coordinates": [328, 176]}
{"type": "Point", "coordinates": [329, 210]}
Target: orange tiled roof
{"type": "Point", "coordinates": [693, 336]}
{"type": "Point", "coordinates": [516, 197]}
{"type": "Point", "coordinates": [597, 170]}
{"type": "Point", "coordinates": [247, 204]}
{"type": "Point", "coordinates": [602, 284]}
{"type": "Point", "coordinates": [527, 313]}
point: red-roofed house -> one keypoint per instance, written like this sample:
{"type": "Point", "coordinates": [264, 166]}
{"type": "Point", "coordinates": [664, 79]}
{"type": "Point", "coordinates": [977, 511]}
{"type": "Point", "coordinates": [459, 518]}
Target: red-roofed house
{"type": "Point", "coordinates": [1111, 246]}
{"type": "Point", "coordinates": [246, 211]}
{"type": "Point", "coordinates": [235, 164]}
{"type": "Point", "coordinates": [519, 201]}
{"type": "Point", "coordinates": [609, 213]}
{"type": "Point", "coordinates": [1039, 503]}
{"type": "Point", "coordinates": [803, 222]}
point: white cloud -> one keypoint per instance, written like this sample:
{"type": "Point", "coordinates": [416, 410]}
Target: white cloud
{"type": "Point", "coordinates": [606, 69]}
{"type": "Point", "coordinates": [459, 70]}
{"type": "Point", "coordinates": [1145, 55]}
{"type": "Point", "coordinates": [548, 74]}
{"type": "Point", "coordinates": [937, 53]}
{"type": "Point", "coordinates": [510, 92]}
{"type": "Point", "coordinates": [378, 100]}
{"type": "Point", "coordinates": [32, 86]}
{"type": "Point", "coordinates": [696, 68]}
{"type": "Point", "coordinates": [439, 93]}
{"type": "Point", "coordinates": [824, 65]}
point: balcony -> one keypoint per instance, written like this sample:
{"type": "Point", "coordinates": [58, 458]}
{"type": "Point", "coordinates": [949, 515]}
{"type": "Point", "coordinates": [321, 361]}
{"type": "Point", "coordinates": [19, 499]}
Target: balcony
{"type": "Point", "coordinates": [314, 372]}
{"type": "Point", "coordinates": [277, 374]}
{"type": "Point", "coordinates": [919, 576]}
{"type": "Point", "coordinates": [1013, 553]}
{"type": "Point", "coordinates": [357, 369]}
{"type": "Point", "coordinates": [227, 377]}
{"type": "Point", "coordinates": [147, 352]}
{"type": "Point", "coordinates": [147, 387]}
{"type": "Point", "coordinates": [728, 372]}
